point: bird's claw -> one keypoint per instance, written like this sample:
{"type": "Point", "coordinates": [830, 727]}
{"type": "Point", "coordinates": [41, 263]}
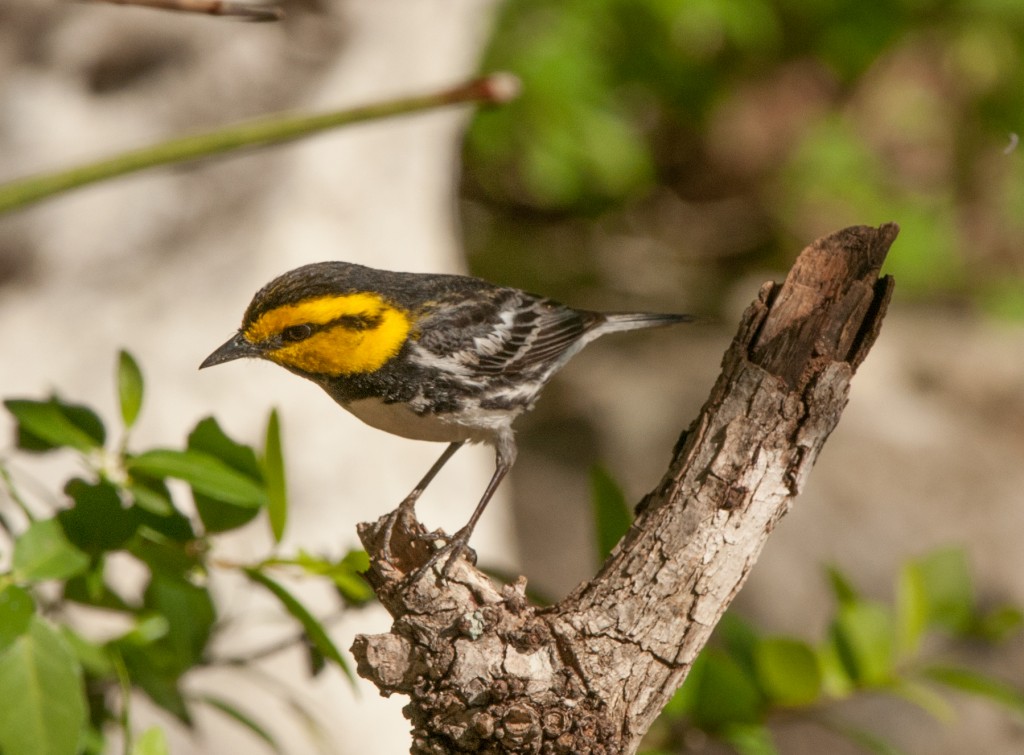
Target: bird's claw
{"type": "Point", "coordinates": [454, 546]}
{"type": "Point", "coordinates": [387, 530]}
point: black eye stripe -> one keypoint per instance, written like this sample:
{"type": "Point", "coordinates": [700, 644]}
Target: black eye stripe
{"type": "Point", "coordinates": [302, 331]}
{"type": "Point", "coordinates": [295, 333]}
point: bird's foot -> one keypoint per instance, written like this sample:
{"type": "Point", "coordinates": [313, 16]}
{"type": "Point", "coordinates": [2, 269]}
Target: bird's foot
{"type": "Point", "coordinates": [410, 526]}
{"type": "Point", "coordinates": [452, 548]}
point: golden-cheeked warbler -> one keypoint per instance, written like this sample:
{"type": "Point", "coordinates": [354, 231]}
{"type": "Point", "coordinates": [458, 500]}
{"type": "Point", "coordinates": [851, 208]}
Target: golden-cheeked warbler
{"type": "Point", "coordinates": [431, 357]}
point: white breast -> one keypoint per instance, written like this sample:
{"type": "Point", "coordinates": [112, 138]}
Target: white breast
{"type": "Point", "coordinates": [473, 425]}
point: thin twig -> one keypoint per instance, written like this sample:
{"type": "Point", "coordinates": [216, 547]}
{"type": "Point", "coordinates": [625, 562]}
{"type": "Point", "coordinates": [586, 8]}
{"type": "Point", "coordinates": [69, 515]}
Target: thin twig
{"type": "Point", "coordinates": [124, 718]}
{"type": "Point", "coordinates": [494, 89]}
{"type": "Point", "coordinates": [273, 648]}
{"type": "Point", "coordinates": [8, 486]}
{"type": "Point", "coordinates": [243, 11]}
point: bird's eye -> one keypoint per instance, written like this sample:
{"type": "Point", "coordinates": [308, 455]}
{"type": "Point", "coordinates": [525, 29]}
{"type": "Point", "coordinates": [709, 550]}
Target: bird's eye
{"type": "Point", "coordinates": [296, 333]}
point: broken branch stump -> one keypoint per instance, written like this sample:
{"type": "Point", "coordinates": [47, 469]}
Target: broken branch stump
{"type": "Point", "coordinates": [488, 672]}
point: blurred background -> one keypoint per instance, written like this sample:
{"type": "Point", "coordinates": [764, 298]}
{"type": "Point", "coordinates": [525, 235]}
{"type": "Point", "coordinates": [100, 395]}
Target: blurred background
{"type": "Point", "coordinates": [664, 155]}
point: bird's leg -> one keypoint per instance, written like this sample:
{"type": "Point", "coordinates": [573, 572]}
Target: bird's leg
{"type": "Point", "coordinates": [458, 542]}
{"type": "Point", "coordinates": [405, 508]}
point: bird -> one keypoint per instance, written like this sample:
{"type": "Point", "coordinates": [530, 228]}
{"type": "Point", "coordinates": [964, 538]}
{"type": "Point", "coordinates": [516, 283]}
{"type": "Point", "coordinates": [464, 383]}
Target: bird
{"type": "Point", "coordinates": [433, 357]}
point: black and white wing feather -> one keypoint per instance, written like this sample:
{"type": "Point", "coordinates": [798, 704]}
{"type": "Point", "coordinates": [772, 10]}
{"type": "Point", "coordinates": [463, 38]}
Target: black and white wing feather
{"type": "Point", "coordinates": [510, 333]}
{"type": "Point", "coordinates": [517, 335]}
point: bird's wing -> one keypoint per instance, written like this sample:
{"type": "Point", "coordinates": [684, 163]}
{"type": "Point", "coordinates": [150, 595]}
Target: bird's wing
{"type": "Point", "coordinates": [508, 332]}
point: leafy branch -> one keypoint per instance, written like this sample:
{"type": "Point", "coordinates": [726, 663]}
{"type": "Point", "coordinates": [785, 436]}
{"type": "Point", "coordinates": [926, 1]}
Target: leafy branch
{"type": "Point", "coordinates": [122, 504]}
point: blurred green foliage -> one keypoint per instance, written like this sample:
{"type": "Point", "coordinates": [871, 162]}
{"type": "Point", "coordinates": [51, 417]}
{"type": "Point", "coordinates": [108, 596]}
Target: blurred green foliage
{"type": "Point", "coordinates": [745, 680]}
{"type": "Point", "coordinates": [721, 135]}
{"type": "Point", "coordinates": [64, 691]}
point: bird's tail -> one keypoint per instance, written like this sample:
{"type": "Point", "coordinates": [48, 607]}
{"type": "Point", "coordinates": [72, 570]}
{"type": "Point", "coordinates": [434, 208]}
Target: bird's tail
{"type": "Point", "coordinates": [614, 322]}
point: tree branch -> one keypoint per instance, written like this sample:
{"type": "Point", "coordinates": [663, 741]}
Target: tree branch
{"type": "Point", "coordinates": [487, 672]}
{"type": "Point", "coordinates": [241, 10]}
{"type": "Point", "coordinates": [494, 89]}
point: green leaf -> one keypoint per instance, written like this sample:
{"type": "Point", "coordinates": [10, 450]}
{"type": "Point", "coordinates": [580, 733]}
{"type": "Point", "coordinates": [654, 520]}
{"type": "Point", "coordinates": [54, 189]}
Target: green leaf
{"type": "Point", "coordinates": [93, 742]}
{"type": "Point", "coordinates": [842, 587]}
{"type": "Point", "coordinates": [357, 560]}
{"type": "Point", "coordinates": [92, 657]}
{"type": "Point", "coordinates": [346, 573]}
{"type": "Point", "coordinates": [724, 694]}
{"type": "Point", "coordinates": [924, 697]}
{"type": "Point", "coordinates": [190, 615]}
{"type": "Point", "coordinates": [221, 516]}
{"type": "Point", "coordinates": [169, 639]}
{"type": "Point", "coordinates": [216, 513]}
{"type": "Point", "coordinates": [611, 512]}
{"type": "Point", "coordinates": [683, 702]}
{"type": "Point", "coordinates": [750, 739]}
{"type": "Point", "coordinates": [349, 579]}
{"type": "Point", "coordinates": [151, 742]}
{"type": "Point", "coordinates": [46, 425]}
{"type": "Point", "coordinates": [43, 711]}
{"type": "Point", "coordinates": [946, 581]}
{"type": "Point", "coordinates": [129, 387]}
{"type": "Point", "coordinates": [174, 525]}
{"type": "Point", "coordinates": [352, 588]}
{"type": "Point", "coordinates": [205, 474]}
{"type": "Point", "coordinates": [98, 522]}
{"type": "Point", "coordinates": [94, 578]}
{"type": "Point", "coordinates": [739, 638]}
{"type": "Point", "coordinates": [316, 662]}
{"type": "Point", "coordinates": [787, 671]}
{"type": "Point", "coordinates": [149, 629]}
{"type": "Point", "coordinates": [238, 715]}
{"type": "Point", "coordinates": [169, 556]}
{"type": "Point", "coordinates": [835, 678]}
{"type": "Point", "coordinates": [999, 624]}
{"type": "Point", "coordinates": [150, 494]}
{"type": "Point", "coordinates": [44, 552]}
{"type": "Point", "coordinates": [16, 611]}
{"type": "Point", "coordinates": [679, 704]}
{"type": "Point", "coordinates": [90, 589]}
{"type": "Point", "coordinates": [274, 478]}
{"type": "Point", "coordinates": [156, 670]}
{"type": "Point", "coordinates": [980, 685]}
{"type": "Point", "coordinates": [315, 631]}
{"type": "Point", "coordinates": [208, 436]}
{"type": "Point", "coordinates": [912, 609]}
{"type": "Point", "coordinates": [862, 634]}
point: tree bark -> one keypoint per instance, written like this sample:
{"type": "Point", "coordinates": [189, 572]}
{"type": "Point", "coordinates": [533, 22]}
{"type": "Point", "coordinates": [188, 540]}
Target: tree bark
{"type": "Point", "coordinates": [488, 672]}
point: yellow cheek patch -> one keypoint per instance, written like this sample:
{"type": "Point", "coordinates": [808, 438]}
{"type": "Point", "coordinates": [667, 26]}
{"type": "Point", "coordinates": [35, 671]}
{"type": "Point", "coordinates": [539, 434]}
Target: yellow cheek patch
{"type": "Point", "coordinates": [341, 349]}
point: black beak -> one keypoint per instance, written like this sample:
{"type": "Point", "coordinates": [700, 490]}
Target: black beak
{"type": "Point", "coordinates": [236, 348]}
